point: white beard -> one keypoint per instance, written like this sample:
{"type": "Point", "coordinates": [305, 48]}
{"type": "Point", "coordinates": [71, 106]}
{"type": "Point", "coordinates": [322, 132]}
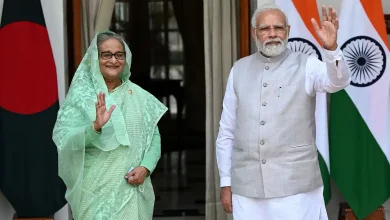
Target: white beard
{"type": "Point", "coordinates": [272, 50]}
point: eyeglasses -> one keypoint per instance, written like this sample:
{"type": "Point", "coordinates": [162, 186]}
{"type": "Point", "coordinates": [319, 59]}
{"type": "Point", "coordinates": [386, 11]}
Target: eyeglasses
{"type": "Point", "coordinates": [108, 55]}
{"type": "Point", "coordinates": [267, 29]}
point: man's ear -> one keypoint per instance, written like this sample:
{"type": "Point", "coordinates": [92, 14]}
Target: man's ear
{"type": "Point", "coordinates": [253, 31]}
{"type": "Point", "coordinates": [288, 31]}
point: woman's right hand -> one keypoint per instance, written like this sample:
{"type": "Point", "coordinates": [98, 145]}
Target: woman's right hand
{"type": "Point", "coordinates": [102, 115]}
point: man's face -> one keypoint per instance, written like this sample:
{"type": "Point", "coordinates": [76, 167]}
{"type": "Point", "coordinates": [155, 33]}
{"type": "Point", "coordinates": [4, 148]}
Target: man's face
{"type": "Point", "coordinates": [271, 32]}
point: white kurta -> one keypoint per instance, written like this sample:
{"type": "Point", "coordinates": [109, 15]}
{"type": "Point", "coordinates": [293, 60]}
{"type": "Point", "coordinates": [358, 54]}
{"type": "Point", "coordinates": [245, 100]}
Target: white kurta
{"type": "Point", "coordinates": [318, 78]}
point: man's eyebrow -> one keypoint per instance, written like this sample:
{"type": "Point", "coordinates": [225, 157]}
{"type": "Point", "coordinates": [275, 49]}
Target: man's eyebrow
{"type": "Point", "coordinates": [279, 25]}
{"type": "Point", "coordinates": [267, 26]}
{"type": "Point", "coordinates": [263, 25]}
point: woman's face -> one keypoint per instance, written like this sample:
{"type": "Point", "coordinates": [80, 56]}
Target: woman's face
{"type": "Point", "coordinates": [112, 59]}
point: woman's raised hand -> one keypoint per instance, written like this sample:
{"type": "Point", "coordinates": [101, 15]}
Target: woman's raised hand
{"type": "Point", "coordinates": [102, 115]}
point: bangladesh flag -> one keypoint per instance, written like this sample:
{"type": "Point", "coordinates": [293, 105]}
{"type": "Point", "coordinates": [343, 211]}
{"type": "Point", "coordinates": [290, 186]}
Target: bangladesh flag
{"type": "Point", "coordinates": [28, 108]}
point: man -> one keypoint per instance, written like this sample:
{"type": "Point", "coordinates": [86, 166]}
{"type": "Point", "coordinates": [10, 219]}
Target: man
{"type": "Point", "coordinates": [266, 150]}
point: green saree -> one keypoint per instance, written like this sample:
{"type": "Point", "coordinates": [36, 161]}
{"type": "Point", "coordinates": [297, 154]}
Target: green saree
{"type": "Point", "coordinates": [93, 165]}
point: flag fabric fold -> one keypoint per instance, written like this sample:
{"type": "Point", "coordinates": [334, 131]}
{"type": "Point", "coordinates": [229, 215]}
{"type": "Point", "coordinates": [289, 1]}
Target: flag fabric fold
{"type": "Point", "coordinates": [28, 110]}
{"type": "Point", "coordinates": [360, 114]}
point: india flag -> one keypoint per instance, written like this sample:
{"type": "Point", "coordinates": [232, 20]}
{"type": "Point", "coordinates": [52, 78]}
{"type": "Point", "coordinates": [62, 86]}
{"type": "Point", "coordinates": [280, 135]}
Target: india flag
{"type": "Point", "coordinates": [360, 114]}
{"type": "Point", "coordinates": [304, 39]}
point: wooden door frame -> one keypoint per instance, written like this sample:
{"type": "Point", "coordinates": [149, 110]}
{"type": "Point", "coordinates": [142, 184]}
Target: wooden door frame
{"type": "Point", "coordinates": [244, 28]}
{"type": "Point", "coordinates": [73, 18]}
{"type": "Point", "coordinates": [74, 32]}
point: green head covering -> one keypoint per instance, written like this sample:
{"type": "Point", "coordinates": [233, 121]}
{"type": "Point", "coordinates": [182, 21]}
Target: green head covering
{"type": "Point", "coordinates": [92, 58]}
{"type": "Point", "coordinates": [86, 84]}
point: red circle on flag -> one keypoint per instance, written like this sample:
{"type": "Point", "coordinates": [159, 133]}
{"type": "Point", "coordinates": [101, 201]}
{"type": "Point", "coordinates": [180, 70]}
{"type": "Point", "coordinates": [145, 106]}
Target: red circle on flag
{"type": "Point", "coordinates": [28, 82]}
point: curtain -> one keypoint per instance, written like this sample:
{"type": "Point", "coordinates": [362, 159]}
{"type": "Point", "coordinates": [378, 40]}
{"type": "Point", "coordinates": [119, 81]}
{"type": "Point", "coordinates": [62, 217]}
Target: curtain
{"type": "Point", "coordinates": [220, 43]}
{"type": "Point", "coordinates": [192, 34]}
{"type": "Point", "coordinates": [96, 16]}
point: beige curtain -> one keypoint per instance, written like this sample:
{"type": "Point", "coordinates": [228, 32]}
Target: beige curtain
{"type": "Point", "coordinates": [220, 39]}
{"type": "Point", "coordinates": [96, 16]}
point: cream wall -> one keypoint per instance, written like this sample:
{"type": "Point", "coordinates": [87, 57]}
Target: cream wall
{"type": "Point", "coordinates": [54, 12]}
{"type": "Point", "coordinates": [333, 206]}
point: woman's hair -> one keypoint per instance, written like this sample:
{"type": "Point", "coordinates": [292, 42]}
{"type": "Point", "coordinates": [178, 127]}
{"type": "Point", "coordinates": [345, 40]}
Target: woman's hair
{"type": "Point", "coordinates": [106, 36]}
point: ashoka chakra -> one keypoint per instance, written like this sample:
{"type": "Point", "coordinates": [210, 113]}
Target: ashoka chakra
{"type": "Point", "coordinates": [366, 60]}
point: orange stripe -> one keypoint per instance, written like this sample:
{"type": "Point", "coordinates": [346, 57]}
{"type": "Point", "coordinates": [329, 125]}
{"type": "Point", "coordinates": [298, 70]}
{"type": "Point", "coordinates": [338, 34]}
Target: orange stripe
{"type": "Point", "coordinates": [374, 11]}
{"type": "Point", "coordinates": [307, 9]}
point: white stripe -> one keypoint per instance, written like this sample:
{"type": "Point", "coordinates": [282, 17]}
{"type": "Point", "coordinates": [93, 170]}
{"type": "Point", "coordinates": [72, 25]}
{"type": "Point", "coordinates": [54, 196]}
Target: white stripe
{"type": "Point", "coordinates": [372, 102]}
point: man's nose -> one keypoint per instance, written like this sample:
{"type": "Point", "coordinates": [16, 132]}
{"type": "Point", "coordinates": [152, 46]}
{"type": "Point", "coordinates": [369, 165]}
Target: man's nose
{"type": "Point", "coordinates": [272, 32]}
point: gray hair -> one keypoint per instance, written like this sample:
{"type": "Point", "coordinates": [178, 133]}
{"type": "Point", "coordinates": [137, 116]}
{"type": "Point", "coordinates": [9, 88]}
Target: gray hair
{"type": "Point", "coordinates": [106, 36]}
{"type": "Point", "coordinates": [264, 8]}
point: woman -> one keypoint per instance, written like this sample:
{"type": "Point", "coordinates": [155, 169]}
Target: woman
{"type": "Point", "coordinates": [107, 126]}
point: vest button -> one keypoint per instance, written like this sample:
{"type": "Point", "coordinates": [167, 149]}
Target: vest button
{"type": "Point", "coordinates": [262, 122]}
{"type": "Point", "coordinates": [262, 142]}
{"type": "Point", "coordinates": [267, 67]}
{"type": "Point", "coordinates": [264, 161]}
{"type": "Point", "coordinates": [265, 84]}
{"type": "Point", "coordinates": [264, 104]}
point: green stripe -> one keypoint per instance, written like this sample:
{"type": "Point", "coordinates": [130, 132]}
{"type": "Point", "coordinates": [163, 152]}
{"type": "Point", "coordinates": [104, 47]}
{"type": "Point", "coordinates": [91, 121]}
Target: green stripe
{"type": "Point", "coordinates": [357, 164]}
{"type": "Point", "coordinates": [325, 178]}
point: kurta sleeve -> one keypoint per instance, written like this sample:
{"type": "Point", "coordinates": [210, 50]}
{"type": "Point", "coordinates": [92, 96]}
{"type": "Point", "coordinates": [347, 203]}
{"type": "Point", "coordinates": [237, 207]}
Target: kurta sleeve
{"type": "Point", "coordinates": [330, 75]}
{"type": "Point", "coordinates": [153, 154]}
{"type": "Point", "coordinates": [225, 139]}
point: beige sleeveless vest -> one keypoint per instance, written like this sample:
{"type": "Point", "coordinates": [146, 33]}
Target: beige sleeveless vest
{"type": "Point", "coordinates": [274, 151]}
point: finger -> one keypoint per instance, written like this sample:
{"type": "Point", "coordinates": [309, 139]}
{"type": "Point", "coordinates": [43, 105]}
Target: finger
{"type": "Point", "coordinates": [141, 180]}
{"type": "Point", "coordinates": [136, 176]}
{"type": "Point", "coordinates": [227, 207]}
{"type": "Point", "coordinates": [97, 100]}
{"type": "Point", "coordinates": [324, 14]}
{"type": "Point", "coordinates": [133, 181]}
{"type": "Point", "coordinates": [130, 174]}
{"type": "Point", "coordinates": [100, 99]}
{"type": "Point", "coordinates": [111, 109]}
{"type": "Point", "coordinates": [138, 181]}
{"type": "Point", "coordinates": [224, 205]}
{"type": "Point", "coordinates": [336, 23]}
{"type": "Point", "coordinates": [332, 13]}
{"type": "Point", "coordinates": [230, 207]}
{"type": "Point", "coordinates": [315, 24]}
{"type": "Point", "coordinates": [104, 99]}
{"type": "Point", "coordinates": [130, 180]}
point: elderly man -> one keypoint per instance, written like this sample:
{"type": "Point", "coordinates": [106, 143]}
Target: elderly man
{"type": "Point", "coordinates": [266, 149]}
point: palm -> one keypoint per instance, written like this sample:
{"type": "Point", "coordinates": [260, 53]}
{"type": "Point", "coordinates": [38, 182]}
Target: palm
{"type": "Point", "coordinates": [327, 32]}
{"type": "Point", "coordinates": [102, 115]}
